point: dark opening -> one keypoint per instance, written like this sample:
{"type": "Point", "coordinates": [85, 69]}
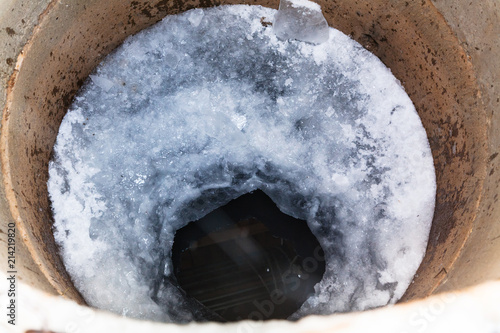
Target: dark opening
{"type": "Point", "coordinates": [248, 260]}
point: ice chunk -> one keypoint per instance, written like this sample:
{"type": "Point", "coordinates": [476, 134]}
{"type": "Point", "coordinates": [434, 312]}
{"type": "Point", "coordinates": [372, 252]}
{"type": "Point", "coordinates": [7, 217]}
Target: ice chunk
{"type": "Point", "coordinates": [102, 82]}
{"type": "Point", "coordinates": [301, 20]}
{"type": "Point", "coordinates": [195, 16]}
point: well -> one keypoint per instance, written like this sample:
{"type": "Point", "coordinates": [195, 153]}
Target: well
{"type": "Point", "coordinates": [444, 53]}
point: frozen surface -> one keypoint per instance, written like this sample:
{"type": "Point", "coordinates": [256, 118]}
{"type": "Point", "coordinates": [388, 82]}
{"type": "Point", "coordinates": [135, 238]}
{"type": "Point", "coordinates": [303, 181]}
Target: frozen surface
{"type": "Point", "coordinates": [209, 105]}
{"type": "Point", "coordinates": [301, 20]}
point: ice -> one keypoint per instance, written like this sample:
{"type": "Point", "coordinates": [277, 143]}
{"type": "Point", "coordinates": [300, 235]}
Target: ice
{"type": "Point", "coordinates": [209, 105]}
{"type": "Point", "coordinates": [102, 82]}
{"type": "Point", "coordinates": [301, 20]}
{"type": "Point", "coordinates": [195, 16]}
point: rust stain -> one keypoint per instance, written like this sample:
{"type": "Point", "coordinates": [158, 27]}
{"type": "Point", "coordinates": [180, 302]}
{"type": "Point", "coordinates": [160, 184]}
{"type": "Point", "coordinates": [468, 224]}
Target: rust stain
{"type": "Point", "coordinates": [10, 31]}
{"type": "Point", "coordinates": [25, 227]}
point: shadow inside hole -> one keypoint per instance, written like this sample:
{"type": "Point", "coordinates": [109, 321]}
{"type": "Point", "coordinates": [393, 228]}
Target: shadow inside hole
{"type": "Point", "coordinates": [248, 260]}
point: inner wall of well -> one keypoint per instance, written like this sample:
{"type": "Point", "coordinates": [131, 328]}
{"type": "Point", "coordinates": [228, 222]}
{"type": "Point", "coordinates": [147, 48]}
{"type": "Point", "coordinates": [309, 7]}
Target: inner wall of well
{"type": "Point", "coordinates": [410, 38]}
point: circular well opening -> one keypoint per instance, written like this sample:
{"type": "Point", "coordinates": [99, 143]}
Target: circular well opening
{"type": "Point", "coordinates": [248, 260]}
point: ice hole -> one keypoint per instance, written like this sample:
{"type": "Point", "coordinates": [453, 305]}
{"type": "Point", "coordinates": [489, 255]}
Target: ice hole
{"type": "Point", "coordinates": [248, 260]}
{"type": "Point", "coordinates": [209, 105]}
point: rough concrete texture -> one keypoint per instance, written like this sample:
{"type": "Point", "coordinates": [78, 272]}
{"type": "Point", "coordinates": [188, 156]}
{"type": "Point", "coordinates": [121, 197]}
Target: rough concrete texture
{"type": "Point", "coordinates": [476, 24]}
{"type": "Point", "coordinates": [17, 21]}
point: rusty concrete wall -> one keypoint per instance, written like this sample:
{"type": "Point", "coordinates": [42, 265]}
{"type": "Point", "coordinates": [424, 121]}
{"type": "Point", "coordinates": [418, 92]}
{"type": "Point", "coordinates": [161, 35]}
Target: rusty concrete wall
{"type": "Point", "coordinates": [17, 21]}
{"type": "Point", "coordinates": [477, 26]}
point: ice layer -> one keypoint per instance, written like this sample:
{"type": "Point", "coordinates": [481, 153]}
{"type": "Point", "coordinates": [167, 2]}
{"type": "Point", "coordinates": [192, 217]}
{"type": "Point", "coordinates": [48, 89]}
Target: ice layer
{"type": "Point", "coordinates": [208, 105]}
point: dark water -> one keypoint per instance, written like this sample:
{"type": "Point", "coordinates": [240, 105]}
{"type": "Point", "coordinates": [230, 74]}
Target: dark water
{"type": "Point", "coordinates": [248, 260]}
